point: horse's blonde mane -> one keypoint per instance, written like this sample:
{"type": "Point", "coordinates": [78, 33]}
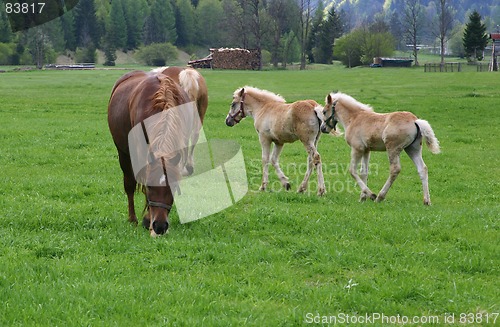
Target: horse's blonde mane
{"type": "Point", "coordinates": [349, 101]}
{"type": "Point", "coordinates": [262, 95]}
{"type": "Point", "coordinates": [167, 95]}
{"type": "Point", "coordinates": [169, 133]}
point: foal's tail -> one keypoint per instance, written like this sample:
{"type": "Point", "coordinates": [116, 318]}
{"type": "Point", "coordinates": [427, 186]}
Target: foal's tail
{"type": "Point", "coordinates": [428, 134]}
{"type": "Point", "coordinates": [188, 80]}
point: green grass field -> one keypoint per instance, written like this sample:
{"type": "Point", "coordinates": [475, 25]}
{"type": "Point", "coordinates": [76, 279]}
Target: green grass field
{"type": "Point", "coordinates": [68, 257]}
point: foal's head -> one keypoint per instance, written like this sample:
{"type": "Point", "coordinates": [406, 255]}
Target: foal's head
{"type": "Point", "coordinates": [329, 115]}
{"type": "Point", "coordinates": [237, 110]}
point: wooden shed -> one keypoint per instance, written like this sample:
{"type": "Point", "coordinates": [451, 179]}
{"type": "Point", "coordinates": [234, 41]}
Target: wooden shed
{"type": "Point", "coordinates": [391, 62]}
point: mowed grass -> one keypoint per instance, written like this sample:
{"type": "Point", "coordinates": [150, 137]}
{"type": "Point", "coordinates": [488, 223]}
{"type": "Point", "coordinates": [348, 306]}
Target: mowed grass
{"type": "Point", "coordinates": [68, 257]}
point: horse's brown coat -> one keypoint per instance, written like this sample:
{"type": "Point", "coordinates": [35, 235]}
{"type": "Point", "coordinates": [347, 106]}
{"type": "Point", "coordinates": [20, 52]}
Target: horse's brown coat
{"type": "Point", "coordinates": [136, 96]}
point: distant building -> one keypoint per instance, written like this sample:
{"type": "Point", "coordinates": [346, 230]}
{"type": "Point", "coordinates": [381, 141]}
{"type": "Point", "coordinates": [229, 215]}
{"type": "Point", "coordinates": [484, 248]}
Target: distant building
{"type": "Point", "coordinates": [391, 62]}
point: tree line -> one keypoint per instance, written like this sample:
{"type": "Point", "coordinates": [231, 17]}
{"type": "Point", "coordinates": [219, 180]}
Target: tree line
{"type": "Point", "coordinates": [284, 31]}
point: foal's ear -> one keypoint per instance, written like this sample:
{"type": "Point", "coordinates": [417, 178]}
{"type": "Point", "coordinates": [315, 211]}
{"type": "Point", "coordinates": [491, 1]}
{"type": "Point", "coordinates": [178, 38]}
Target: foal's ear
{"type": "Point", "coordinates": [242, 92]}
{"type": "Point", "coordinates": [329, 99]}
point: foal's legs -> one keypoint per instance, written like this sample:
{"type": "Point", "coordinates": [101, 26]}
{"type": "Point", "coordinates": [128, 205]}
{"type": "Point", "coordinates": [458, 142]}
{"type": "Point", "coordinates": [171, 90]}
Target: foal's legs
{"type": "Point", "coordinates": [414, 151]}
{"type": "Point", "coordinates": [395, 168]}
{"type": "Point", "coordinates": [313, 159]}
{"type": "Point", "coordinates": [266, 149]}
{"type": "Point", "coordinates": [129, 184]}
{"type": "Point", "coordinates": [356, 157]}
{"type": "Point", "coordinates": [275, 162]}
{"type": "Point", "coordinates": [363, 173]}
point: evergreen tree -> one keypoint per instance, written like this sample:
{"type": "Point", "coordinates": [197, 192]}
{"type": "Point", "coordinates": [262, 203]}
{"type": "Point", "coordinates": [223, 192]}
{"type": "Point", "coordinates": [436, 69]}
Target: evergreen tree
{"type": "Point", "coordinates": [184, 22]}
{"type": "Point", "coordinates": [330, 29]}
{"type": "Point", "coordinates": [160, 23]}
{"type": "Point", "coordinates": [109, 52]}
{"type": "Point", "coordinates": [68, 28]}
{"type": "Point", "coordinates": [135, 12]}
{"type": "Point", "coordinates": [475, 38]}
{"type": "Point", "coordinates": [116, 29]}
{"type": "Point", "coordinates": [6, 34]}
{"type": "Point", "coordinates": [86, 27]}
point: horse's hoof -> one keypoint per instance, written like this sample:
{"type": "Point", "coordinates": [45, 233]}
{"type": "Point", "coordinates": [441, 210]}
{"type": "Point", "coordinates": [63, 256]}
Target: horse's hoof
{"type": "Point", "coordinates": [375, 198]}
{"type": "Point", "coordinates": [288, 186]}
{"type": "Point", "coordinates": [379, 199]}
{"type": "Point", "coordinates": [321, 192]}
{"type": "Point", "coordinates": [262, 188]}
{"type": "Point", "coordinates": [132, 220]}
{"type": "Point", "coordinates": [427, 203]}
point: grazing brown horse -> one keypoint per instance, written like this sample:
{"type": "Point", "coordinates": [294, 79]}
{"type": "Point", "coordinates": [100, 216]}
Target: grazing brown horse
{"type": "Point", "coordinates": [195, 86]}
{"type": "Point", "coordinates": [135, 97]}
{"type": "Point", "coordinates": [367, 131]}
{"type": "Point", "coordinates": [278, 122]}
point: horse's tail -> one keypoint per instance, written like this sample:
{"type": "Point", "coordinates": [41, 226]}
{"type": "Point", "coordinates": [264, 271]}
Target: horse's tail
{"type": "Point", "coordinates": [428, 134]}
{"type": "Point", "coordinates": [188, 79]}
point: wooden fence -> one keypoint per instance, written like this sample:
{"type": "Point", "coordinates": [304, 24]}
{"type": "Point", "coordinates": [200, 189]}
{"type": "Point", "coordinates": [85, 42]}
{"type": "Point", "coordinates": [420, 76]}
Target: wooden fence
{"type": "Point", "coordinates": [443, 67]}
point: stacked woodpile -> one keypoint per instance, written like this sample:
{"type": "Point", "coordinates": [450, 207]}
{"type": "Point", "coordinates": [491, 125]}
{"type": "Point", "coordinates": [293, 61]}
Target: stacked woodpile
{"type": "Point", "coordinates": [229, 58]}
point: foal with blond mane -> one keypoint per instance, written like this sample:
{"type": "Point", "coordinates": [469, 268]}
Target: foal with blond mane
{"type": "Point", "coordinates": [278, 122]}
{"type": "Point", "coordinates": [367, 131]}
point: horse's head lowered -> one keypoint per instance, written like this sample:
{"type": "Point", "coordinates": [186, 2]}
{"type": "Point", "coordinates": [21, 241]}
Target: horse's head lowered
{"type": "Point", "coordinates": [329, 115]}
{"type": "Point", "coordinates": [237, 110]}
{"type": "Point", "coordinates": [159, 195]}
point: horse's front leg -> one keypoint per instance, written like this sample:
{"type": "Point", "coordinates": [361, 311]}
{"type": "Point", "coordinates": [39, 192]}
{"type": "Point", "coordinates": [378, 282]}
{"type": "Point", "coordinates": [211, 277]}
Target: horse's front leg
{"type": "Point", "coordinates": [363, 172]}
{"type": "Point", "coordinates": [129, 184]}
{"type": "Point", "coordinates": [395, 168]}
{"type": "Point", "coordinates": [266, 149]}
{"type": "Point", "coordinates": [305, 181]}
{"type": "Point", "coordinates": [353, 169]}
{"type": "Point", "coordinates": [275, 162]}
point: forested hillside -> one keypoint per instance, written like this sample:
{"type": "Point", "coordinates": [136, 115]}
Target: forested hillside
{"type": "Point", "coordinates": [366, 9]}
{"type": "Point", "coordinates": [285, 30]}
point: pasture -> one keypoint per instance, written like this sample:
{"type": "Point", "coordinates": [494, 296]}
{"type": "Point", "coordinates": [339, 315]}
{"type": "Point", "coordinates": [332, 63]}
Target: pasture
{"type": "Point", "coordinates": [68, 256]}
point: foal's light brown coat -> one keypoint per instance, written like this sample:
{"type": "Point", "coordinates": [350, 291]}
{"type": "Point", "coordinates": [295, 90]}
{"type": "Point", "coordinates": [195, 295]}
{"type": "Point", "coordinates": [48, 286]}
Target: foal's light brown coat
{"type": "Point", "coordinates": [367, 131]}
{"type": "Point", "coordinates": [278, 122]}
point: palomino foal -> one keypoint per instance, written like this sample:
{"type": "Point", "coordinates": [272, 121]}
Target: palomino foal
{"type": "Point", "coordinates": [278, 122]}
{"type": "Point", "coordinates": [367, 131]}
